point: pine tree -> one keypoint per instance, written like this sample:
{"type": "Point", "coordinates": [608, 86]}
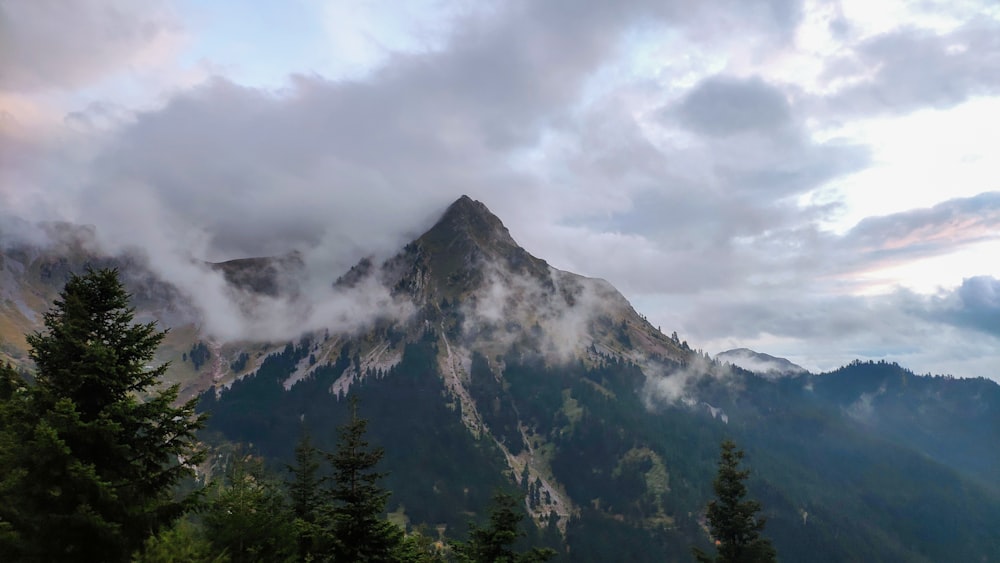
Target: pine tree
{"type": "Point", "coordinates": [419, 547]}
{"type": "Point", "coordinates": [305, 495]}
{"type": "Point", "coordinates": [10, 381]}
{"type": "Point", "coordinates": [182, 542]}
{"type": "Point", "coordinates": [91, 453]}
{"type": "Point", "coordinates": [733, 519]}
{"type": "Point", "coordinates": [304, 488]}
{"type": "Point", "coordinates": [12, 392]}
{"type": "Point", "coordinates": [355, 520]}
{"type": "Point", "coordinates": [247, 517]}
{"type": "Point", "coordinates": [494, 544]}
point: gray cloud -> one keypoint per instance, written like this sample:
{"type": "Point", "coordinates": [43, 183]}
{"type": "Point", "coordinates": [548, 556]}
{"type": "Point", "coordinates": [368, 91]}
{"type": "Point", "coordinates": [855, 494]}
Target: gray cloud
{"type": "Point", "coordinates": [699, 215]}
{"type": "Point", "coordinates": [924, 232]}
{"type": "Point", "coordinates": [927, 334]}
{"type": "Point", "coordinates": [52, 44]}
{"type": "Point", "coordinates": [698, 201]}
{"type": "Point", "coordinates": [794, 290]}
{"type": "Point", "coordinates": [974, 305]}
{"type": "Point", "coordinates": [229, 171]}
{"type": "Point", "coordinates": [722, 105]}
{"type": "Point", "coordinates": [909, 69]}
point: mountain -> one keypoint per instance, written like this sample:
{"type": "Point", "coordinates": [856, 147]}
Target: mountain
{"type": "Point", "coordinates": [33, 273]}
{"type": "Point", "coordinates": [760, 363]}
{"type": "Point", "coordinates": [269, 276]}
{"type": "Point", "coordinates": [494, 369]}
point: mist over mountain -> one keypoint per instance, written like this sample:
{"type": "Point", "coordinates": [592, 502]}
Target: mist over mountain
{"type": "Point", "coordinates": [758, 362]}
{"type": "Point", "coordinates": [482, 366]}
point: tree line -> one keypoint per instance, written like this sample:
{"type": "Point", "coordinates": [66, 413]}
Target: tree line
{"type": "Point", "coordinates": [94, 455]}
{"type": "Point", "coordinates": [97, 464]}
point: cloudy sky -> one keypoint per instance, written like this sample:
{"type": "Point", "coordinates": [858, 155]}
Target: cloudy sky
{"type": "Point", "coordinates": [815, 179]}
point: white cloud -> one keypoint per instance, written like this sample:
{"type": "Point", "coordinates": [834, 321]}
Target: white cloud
{"type": "Point", "coordinates": [695, 156]}
{"type": "Point", "coordinates": [48, 44]}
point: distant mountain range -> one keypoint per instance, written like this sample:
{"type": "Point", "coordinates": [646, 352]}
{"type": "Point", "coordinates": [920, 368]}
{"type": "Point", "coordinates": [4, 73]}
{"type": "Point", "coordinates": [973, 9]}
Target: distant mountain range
{"type": "Point", "coordinates": [760, 363]}
{"type": "Point", "coordinates": [494, 369]}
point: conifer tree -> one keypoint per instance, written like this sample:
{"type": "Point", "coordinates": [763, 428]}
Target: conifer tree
{"type": "Point", "coordinates": [304, 488]}
{"type": "Point", "coordinates": [247, 517]}
{"type": "Point", "coordinates": [355, 520]}
{"type": "Point", "coordinates": [733, 519]}
{"type": "Point", "coordinates": [182, 542]}
{"type": "Point", "coordinates": [494, 544]}
{"type": "Point", "coordinates": [91, 452]}
{"type": "Point", "coordinates": [305, 495]}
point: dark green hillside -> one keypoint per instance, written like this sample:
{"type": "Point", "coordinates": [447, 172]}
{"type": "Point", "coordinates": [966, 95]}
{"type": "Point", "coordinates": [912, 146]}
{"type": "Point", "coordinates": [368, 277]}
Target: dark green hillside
{"type": "Point", "coordinates": [831, 484]}
{"type": "Point", "coordinates": [438, 472]}
{"type": "Point", "coordinates": [833, 487]}
{"type": "Point", "coordinates": [950, 420]}
{"type": "Point", "coordinates": [516, 374]}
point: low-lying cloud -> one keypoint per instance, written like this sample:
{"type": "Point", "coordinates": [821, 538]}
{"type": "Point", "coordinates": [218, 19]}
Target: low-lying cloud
{"type": "Point", "coordinates": [700, 170]}
{"type": "Point", "coordinates": [678, 386]}
{"type": "Point", "coordinates": [559, 312]}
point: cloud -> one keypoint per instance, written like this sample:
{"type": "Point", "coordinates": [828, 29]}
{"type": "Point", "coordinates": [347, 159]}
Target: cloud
{"type": "Point", "coordinates": [559, 311]}
{"type": "Point", "coordinates": [49, 44]}
{"type": "Point", "coordinates": [697, 213]}
{"type": "Point", "coordinates": [341, 169]}
{"type": "Point", "coordinates": [722, 105]}
{"type": "Point", "coordinates": [913, 68]}
{"type": "Point", "coordinates": [919, 233]}
{"type": "Point", "coordinates": [803, 289]}
{"type": "Point", "coordinates": [679, 386]}
{"type": "Point", "coordinates": [973, 305]}
{"type": "Point", "coordinates": [693, 175]}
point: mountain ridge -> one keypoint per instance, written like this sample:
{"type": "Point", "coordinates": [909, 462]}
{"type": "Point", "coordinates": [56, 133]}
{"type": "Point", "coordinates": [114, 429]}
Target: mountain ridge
{"type": "Point", "coordinates": [503, 371]}
{"type": "Point", "coordinates": [760, 362]}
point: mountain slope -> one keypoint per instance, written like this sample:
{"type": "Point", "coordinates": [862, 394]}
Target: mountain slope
{"type": "Point", "coordinates": [552, 383]}
{"type": "Point", "coordinates": [501, 371]}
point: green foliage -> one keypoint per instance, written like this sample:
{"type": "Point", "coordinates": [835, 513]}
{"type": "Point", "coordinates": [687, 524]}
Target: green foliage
{"type": "Point", "coordinates": [10, 381]}
{"type": "Point", "coordinates": [182, 543]}
{"type": "Point", "coordinates": [305, 496]}
{"type": "Point", "coordinates": [199, 354]}
{"type": "Point", "coordinates": [494, 404]}
{"type": "Point", "coordinates": [355, 519]}
{"type": "Point", "coordinates": [408, 415]}
{"type": "Point", "coordinates": [418, 547]}
{"type": "Point", "coordinates": [90, 455]}
{"type": "Point", "coordinates": [240, 363]}
{"type": "Point", "coordinates": [639, 472]}
{"type": "Point", "coordinates": [495, 543]}
{"type": "Point", "coordinates": [247, 517]}
{"type": "Point", "coordinates": [733, 518]}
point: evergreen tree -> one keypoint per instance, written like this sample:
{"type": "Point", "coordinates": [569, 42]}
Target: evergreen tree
{"type": "Point", "coordinates": [355, 520]}
{"type": "Point", "coordinates": [306, 496]}
{"type": "Point", "coordinates": [91, 453]}
{"type": "Point", "coordinates": [10, 381]}
{"type": "Point", "coordinates": [247, 518]}
{"type": "Point", "coordinates": [733, 519]}
{"type": "Point", "coordinates": [12, 393]}
{"type": "Point", "coordinates": [304, 488]}
{"type": "Point", "coordinates": [494, 544]}
{"type": "Point", "coordinates": [418, 547]}
{"type": "Point", "coordinates": [183, 542]}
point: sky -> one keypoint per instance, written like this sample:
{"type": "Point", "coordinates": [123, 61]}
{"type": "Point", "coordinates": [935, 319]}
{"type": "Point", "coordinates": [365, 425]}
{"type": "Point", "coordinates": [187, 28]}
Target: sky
{"type": "Point", "coordinates": [817, 180]}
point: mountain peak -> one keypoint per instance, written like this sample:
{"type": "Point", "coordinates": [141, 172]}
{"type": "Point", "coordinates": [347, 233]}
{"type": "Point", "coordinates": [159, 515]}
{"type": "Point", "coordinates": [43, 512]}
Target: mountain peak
{"type": "Point", "coordinates": [468, 237]}
{"type": "Point", "coordinates": [468, 218]}
{"type": "Point", "coordinates": [760, 363]}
